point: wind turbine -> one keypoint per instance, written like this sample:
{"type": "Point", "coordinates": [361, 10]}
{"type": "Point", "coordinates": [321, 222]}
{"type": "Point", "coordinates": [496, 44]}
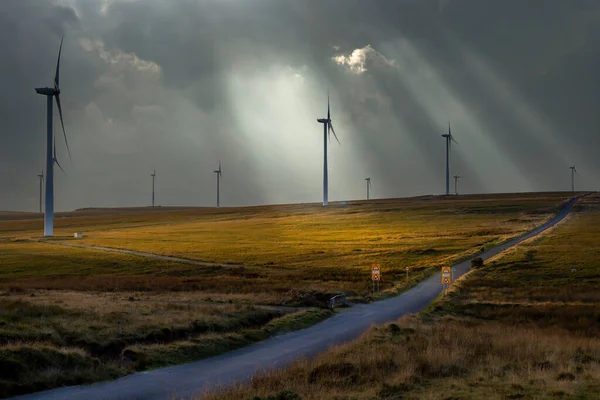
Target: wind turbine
{"type": "Point", "coordinates": [50, 93]}
{"type": "Point", "coordinates": [219, 173]}
{"type": "Point", "coordinates": [449, 139]}
{"type": "Point", "coordinates": [327, 126]}
{"type": "Point", "coordinates": [573, 172]}
{"type": "Point", "coordinates": [153, 175]}
{"type": "Point", "coordinates": [368, 187]}
{"type": "Point", "coordinates": [41, 176]}
{"type": "Point", "coordinates": [456, 178]}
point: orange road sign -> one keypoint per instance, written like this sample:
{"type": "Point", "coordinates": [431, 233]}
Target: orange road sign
{"type": "Point", "coordinates": [375, 272]}
{"type": "Point", "coordinates": [446, 276]}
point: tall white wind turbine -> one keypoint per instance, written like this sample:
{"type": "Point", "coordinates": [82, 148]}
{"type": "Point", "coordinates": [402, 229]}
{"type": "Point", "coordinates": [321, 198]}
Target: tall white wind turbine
{"type": "Point", "coordinates": [368, 187]}
{"type": "Point", "coordinates": [50, 93]}
{"type": "Point", "coordinates": [219, 173]}
{"type": "Point", "coordinates": [573, 172]}
{"type": "Point", "coordinates": [449, 139]}
{"type": "Point", "coordinates": [327, 128]}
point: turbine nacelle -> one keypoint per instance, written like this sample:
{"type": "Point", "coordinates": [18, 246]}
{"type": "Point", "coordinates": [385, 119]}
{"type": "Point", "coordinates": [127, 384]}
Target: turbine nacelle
{"type": "Point", "coordinates": [46, 91]}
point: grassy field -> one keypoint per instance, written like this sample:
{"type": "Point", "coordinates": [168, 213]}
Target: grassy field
{"type": "Point", "coordinates": [523, 326]}
{"type": "Point", "coordinates": [292, 254]}
{"type": "Point", "coordinates": [72, 315]}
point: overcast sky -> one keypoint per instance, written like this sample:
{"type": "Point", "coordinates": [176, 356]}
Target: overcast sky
{"type": "Point", "coordinates": [182, 84]}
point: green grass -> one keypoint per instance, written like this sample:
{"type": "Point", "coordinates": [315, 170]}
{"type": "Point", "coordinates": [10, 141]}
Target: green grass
{"type": "Point", "coordinates": [523, 326]}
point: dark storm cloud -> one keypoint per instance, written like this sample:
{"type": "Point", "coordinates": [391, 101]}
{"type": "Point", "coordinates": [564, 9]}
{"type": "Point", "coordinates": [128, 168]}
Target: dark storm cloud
{"type": "Point", "coordinates": [181, 84]}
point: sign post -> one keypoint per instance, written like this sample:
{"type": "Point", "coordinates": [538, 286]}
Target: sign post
{"type": "Point", "coordinates": [375, 275]}
{"type": "Point", "coordinates": [407, 274]}
{"type": "Point", "coordinates": [446, 277]}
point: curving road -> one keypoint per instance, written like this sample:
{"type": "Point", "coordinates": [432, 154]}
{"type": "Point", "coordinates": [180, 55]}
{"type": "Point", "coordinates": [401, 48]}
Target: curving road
{"type": "Point", "coordinates": [184, 381]}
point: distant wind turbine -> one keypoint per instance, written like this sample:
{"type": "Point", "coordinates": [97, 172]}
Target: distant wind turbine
{"type": "Point", "coordinates": [449, 139]}
{"type": "Point", "coordinates": [368, 187]}
{"type": "Point", "coordinates": [153, 175]}
{"type": "Point", "coordinates": [573, 172]}
{"type": "Point", "coordinates": [327, 127]}
{"type": "Point", "coordinates": [41, 176]}
{"type": "Point", "coordinates": [219, 173]}
{"type": "Point", "coordinates": [456, 178]}
{"type": "Point", "coordinates": [50, 93]}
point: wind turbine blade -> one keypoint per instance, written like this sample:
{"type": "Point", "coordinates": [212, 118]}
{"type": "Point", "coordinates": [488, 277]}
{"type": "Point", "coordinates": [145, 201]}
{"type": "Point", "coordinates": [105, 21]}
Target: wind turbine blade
{"type": "Point", "coordinates": [59, 166]}
{"type": "Point", "coordinates": [63, 126]}
{"type": "Point", "coordinates": [57, 76]}
{"type": "Point", "coordinates": [333, 130]}
{"type": "Point", "coordinates": [328, 108]}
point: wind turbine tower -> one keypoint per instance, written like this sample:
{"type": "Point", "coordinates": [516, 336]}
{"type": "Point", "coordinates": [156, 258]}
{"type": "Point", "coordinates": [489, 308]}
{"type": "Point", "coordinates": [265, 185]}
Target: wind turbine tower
{"type": "Point", "coordinates": [219, 173]}
{"type": "Point", "coordinates": [41, 176]}
{"type": "Point", "coordinates": [573, 172]}
{"type": "Point", "coordinates": [456, 178]}
{"type": "Point", "coordinates": [449, 139]}
{"type": "Point", "coordinates": [327, 128]}
{"type": "Point", "coordinates": [368, 187]}
{"type": "Point", "coordinates": [51, 93]}
{"type": "Point", "coordinates": [153, 175]}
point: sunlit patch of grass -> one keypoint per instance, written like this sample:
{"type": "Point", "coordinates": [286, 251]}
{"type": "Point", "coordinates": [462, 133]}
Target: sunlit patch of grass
{"type": "Point", "coordinates": [280, 249]}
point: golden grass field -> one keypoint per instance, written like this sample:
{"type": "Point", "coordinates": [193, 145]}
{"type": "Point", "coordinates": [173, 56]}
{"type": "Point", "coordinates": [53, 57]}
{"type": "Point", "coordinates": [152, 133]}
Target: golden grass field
{"type": "Point", "coordinates": [523, 326]}
{"type": "Point", "coordinates": [282, 251]}
{"type": "Point", "coordinates": [86, 315]}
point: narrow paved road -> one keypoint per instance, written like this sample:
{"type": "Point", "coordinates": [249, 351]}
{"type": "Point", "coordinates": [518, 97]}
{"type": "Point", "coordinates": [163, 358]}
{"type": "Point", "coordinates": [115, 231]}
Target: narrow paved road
{"type": "Point", "coordinates": [184, 381]}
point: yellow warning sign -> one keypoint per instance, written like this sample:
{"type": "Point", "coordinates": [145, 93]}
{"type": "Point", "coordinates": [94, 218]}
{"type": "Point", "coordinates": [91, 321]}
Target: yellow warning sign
{"type": "Point", "coordinates": [446, 276]}
{"type": "Point", "coordinates": [375, 272]}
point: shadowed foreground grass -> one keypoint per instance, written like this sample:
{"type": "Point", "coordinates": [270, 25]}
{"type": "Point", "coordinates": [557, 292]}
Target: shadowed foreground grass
{"type": "Point", "coordinates": [45, 343]}
{"type": "Point", "coordinates": [524, 326]}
